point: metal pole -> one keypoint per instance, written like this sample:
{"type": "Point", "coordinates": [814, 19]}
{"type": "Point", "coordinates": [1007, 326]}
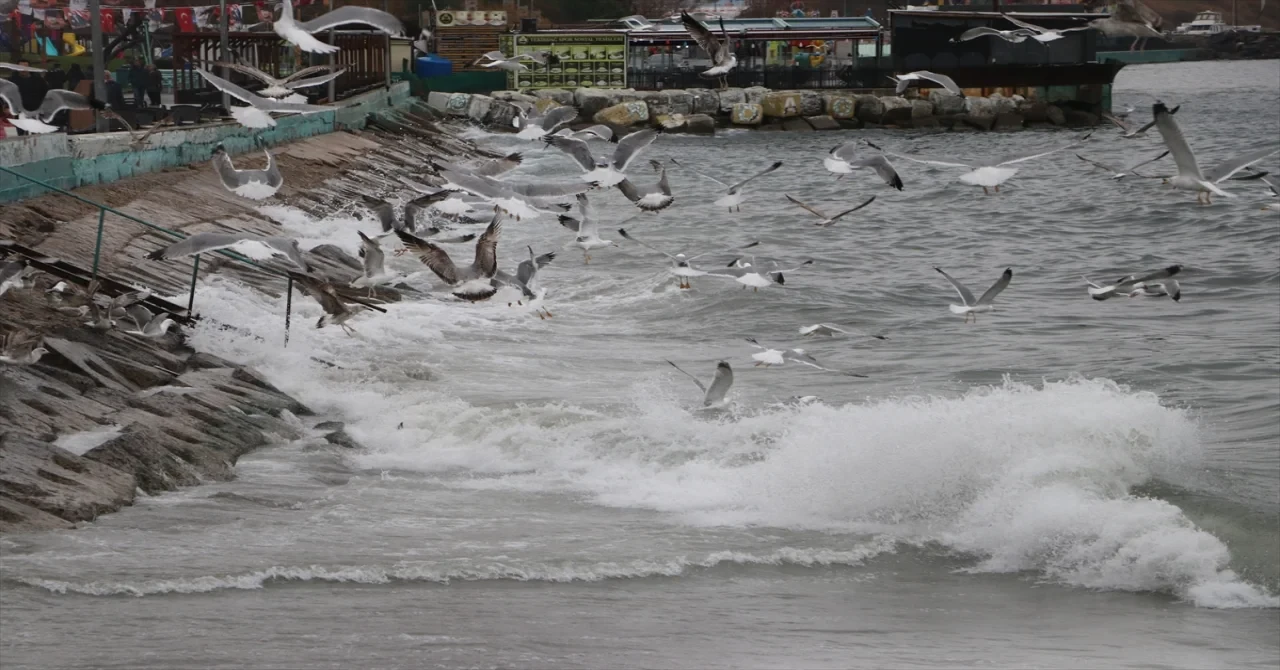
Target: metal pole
{"type": "Point", "coordinates": [387, 58]}
{"type": "Point", "coordinates": [333, 4]}
{"type": "Point", "coordinates": [222, 37]}
{"type": "Point", "coordinates": [99, 59]}
{"type": "Point", "coordinates": [288, 310]}
{"type": "Point", "coordinates": [97, 247]}
{"type": "Point", "coordinates": [195, 271]}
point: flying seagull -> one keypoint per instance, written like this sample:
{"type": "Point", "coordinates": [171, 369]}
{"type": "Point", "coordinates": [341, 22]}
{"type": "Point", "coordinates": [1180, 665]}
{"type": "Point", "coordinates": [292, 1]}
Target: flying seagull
{"type": "Point", "coordinates": [991, 173]}
{"type": "Point", "coordinates": [506, 197]}
{"type": "Point", "coordinates": [828, 330]}
{"type": "Point", "coordinates": [749, 274]}
{"type": "Point", "coordinates": [258, 112]}
{"type": "Point", "coordinates": [843, 160]}
{"type": "Point", "coordinates": [249, 244]}
{"type": "Point", "coordinates": [649, 198]}
{"type": "Point", "coordinates": [1133, 285]}
{"type": "Point", "coordinates": [251, 184]}
{"type": "Point", "coordinates": [526, 278]}
{"type": "Point", "coordinates": [680, 267]}
{"type": "Point", "coordinates": [1126, 20]}
{"type": "Point", "coordinates": [1130, 130]}
{"type": "Point", "coordinates": [599, 132]}
{"type": "Point", "coordinates": [54, 101]}
{"type": "Point", "coordinates": [719, 51]}
{"type": "Point", "coordinates": [501, 61]}
{"type": "Point", "coordinates": [283, 87]}
{"type": "Point", "coordinates": [720, 384]}
{"type": "Point", "coordinates": [18, 67]}
{"type": "Point", "coordinates": [490, 168]}
{"type": "Point", "coordinates": [543, 124]}
{"type": "Point", "coordinates": [472, 282]}
{"type": "Point", "coordinates": [943, 80]}
{"type": "Point", "coordinates": [769, 357]}
{"type": "Point", "coordinates": [1189, 176]}
{"type": "Point", "coordinates": [146, 324]}
{"type": "Point", "coordinates": [825, 220]}
{"type": "Point", "coordinates": [301, 35]}
{"type": "Point", "coordinates": [1122, 172]}
{"type": "Point", "coordinates": [1014, 36]}
{"type": "Point", "coordinates": [604, 171]}
{"type": "Point", "coordinates": [972, 307]}
{"type": "Point", "coordinates": [336, 311]}
{"type": "Point", "coordinates": [588, 233]}
{"type": "Point", "coordinates": [1044, 35]}
{"type": "Point", "coordinates": [733, 198]}
{"type": "Point", "coordinates": [373, 260]}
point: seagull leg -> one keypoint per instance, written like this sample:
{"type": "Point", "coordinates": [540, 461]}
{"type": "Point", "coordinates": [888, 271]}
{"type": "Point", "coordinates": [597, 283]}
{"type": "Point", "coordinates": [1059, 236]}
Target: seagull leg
{"type": "Point", "coordinates": [985, 191]}
{"type": "Point", "coordinates": [997, 188]}
{"type": "Point", "coordinates": [586, 258]}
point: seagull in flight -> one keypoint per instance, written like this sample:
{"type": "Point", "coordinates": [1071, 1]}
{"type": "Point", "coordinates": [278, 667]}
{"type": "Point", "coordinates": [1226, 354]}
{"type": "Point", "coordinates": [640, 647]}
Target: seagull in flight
{"type": "Point", "coordinates": [257, 247]}
{"type": "Point", "coordinates": [768, 357]}
{"type": "Point", "coordinates": [649, 198]}
{"type": "Point", "coordinates": [1189, 176]}
{"type": "Point", "coordinates": [680, 263]}
{"type": "Point", "coordinates": [587, 231]}
{"type": "Point", "coordinates": [280, 88]}
{"type": "Point", "coordinates": [904, 81]}
{"type": "Point", "coordinates": [972, 307]}
{"type": "Point", "coordinates": [748, 274]}
{"type": "Point", "coordinates": [1014, 36]}
{"type": "Point", "coordinates": [733, 199]}
{"type": "Point", "coordinates": [472, 282]}
{"type": "Point", "coordinates": [251, 184]}
{"type": "Point", "coordinates": [843, 160]}
{"type": "Point", "coordinates": [1121, 173]}
{"type": "Point", "coordinates": [336, 311]}
{"type": "Point", "coordinates": [302, 36]}
{"type": "Point", "coordinates": [720, 52]}
{"type": "Point", "coordinates": [824, 220]}
{"type": "Point", "coordinates": [828, 330]}
{"type": "Point", "coordinates": [543, 124]}
{"type": "Point", "coordinates": [526, 278]}
{"type": "Point", "coordinates": [604, 171]}
{"type": "Point", "coordinates": [1159, 282]}
{"type": "Point", "coordinates": [991, 173]}
{"type": "Point", "coordinates": [258, 112]}
{"type": "Point", "coordinates": [720, 384]}
{"type": "Point", "coordinates": [1044, 35]}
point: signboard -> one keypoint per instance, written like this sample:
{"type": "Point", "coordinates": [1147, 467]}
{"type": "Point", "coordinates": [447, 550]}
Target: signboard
{"type": "Point", "coordinates": [586, 60]}
{"type": "Point", "coordinates": [455, 17]}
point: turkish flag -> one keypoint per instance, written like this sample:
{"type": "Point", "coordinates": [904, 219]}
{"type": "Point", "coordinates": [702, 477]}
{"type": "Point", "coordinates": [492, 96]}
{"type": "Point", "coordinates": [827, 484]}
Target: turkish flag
{"type": "Point", "coordinates": [108, 21]}
{"type": "Point", "coordinates": [185, 17]}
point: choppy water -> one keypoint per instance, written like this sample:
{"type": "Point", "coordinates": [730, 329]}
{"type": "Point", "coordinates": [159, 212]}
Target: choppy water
{"type": "Point", "coordinates": [1066, 483]}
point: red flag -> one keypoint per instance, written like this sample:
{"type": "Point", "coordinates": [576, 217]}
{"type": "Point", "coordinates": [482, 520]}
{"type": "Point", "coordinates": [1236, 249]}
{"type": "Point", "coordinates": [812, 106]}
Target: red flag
{"type": "Point", "coordinates": [185, 17]}
{"type": "Point", "coordinates": [108, 21]}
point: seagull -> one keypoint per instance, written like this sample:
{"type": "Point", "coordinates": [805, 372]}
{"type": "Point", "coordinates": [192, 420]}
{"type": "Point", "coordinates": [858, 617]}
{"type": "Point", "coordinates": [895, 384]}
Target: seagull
{"type": "Point", "coordinates": [1124, 113]}
{"type": "Point", "coordinates": [588, 233]}
{"type": "Point", "coordinates": [1014, 36]}
{"type": "Point", "coordinates": [335, 311]}
{"type": "Point", "coordinates": [506, 196]}
{"type": "Point", "coordinates": [1122, 172]}
{"type": "Point", "coordinates": [301, 34]}
{"type": "Point", "coordinates": [280, 88]}
{"type": "Point", "coordinates": [824, 220]}
{"type": "Point", "coordinates": [720, 52]}
{"type": "Point", "coordinates": [680, 267]}
{"type": "Point", "coordinates": [1126, 20]}
{"type": "Point", "coordinates": [1133, 285]}
{"type": "Point", "coordinates": [768, 357]}
{"type": "Point", "coordinates": [649, 198]}
{"type": "Point", "coordinates": [18, 67]}
{"type": "Point", "coordinates": [423, 43]}
{"type": "Point", "coordinates": [946, 82]}
{"type": "Point", "coordinates": [249, 244]}
{"type": "Point", "coordinates": [1189, 176]}
{"type": "Point", "coordinates": [972, 307]}
{"type": "Point", "coordinates": [251, 184]}
{"type": "Point", "coordinates": [600, 132]}
{"type": "Point", "coordinates": [843, 160]}
{"type": "Point", "coordinates": [747, 274]}
{"type": "Point", "coordinates": [1044, 35]}
{"type": "Point", "coordinates": [20, 347]}
{"type": "Point", "coordinates": [733, 199]}
{"type": "Point", "coordinates": [501, 61]}
{"type": "Point", "coordinates": [147, 325]}
{"type": "Point", "coordinates": [604, 171]}
{"type": "Point", "coordinates": [539, 126]}
{"type": "Point", "coordinates": [258, 112]}
{"type": "Point", "coordinates": [16, 275]}
{"type": "Point", "coordinates": [55, 100]}
{"type": "Point", "coordinates": [720, 384]}
{"type": "Point", "coordinates": [828, 330]}
{"type": "Point", "coordinates": [1130, 131]}
{"type": "Point", "coordinates": [470, 282]}
{"type": "Point", "coordinates": [990, 174]}
{"type": "Point", "coordinates": [491, 168]}
{"type": "Point", "coordinates": [526, 278]}
{"type": "Point", "coordinates": [386, 214]}
{"type": "Point", "coordinates": [1168, 287]}
{"type": "Point", "coordinates": [374, 265]}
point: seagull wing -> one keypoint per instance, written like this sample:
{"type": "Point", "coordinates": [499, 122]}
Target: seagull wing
{"type": "Point", "coordinates": [250, 71]}
{"type": "Point", "coordinates": [1101, 166]}
{"type": "Point", "coordinates": [1023, 24]}
{"type": "Point", "coordinates": [575, 148]}
{"type": "Point", "coordinates": [499, 166]}
{"type": "Point", "coordinates": [940, 79]}
{"type": "Point", "coordinates": [739, 185]}
{"type": "Point", "coordinates": [883, 168]}
{"type": "Point", "coordinates": [602, 131]}
{"type": "Point", "coordinates": [314, 81]}
{"type": "Point", "coordinates": [1119, 122]}
{"type": "Point", "coordinates": [57, 100]}
{"type": "Point", "coordinates": [265, 104]}
{"type": "Point", "coordinates": [966, 296]}
{"type": "Point", "coordinates": [720, 385]}
{"type": "Point", "coordinates": [703, 36]}
{"type": "Point", "coordinates": [558, 116]}
{"type": "Point", "coordinates": [432, 256]}
{"type": "Point", "coordinates": [374, 18]}
{"type": "Point", "coordinates": [931, 161]}
{"type": "Point", "coordinates": [487, 247]}
{"type": "Point", "coordinates": [200, 243]}
{"type": "Point", "coordinates": [307, 72]}
{"type": "Point", "coordinates": [1162, 273]}
{"type": "Point", "coordinates": [627, 236]}
{"type": "Point", "coordinates": [702, 387]}
{"type": "Point", "coordinates": [1149, 161]}
{"type": "Point", "coordinates": [700, 174]}
{"type": "Point", "coordinates": [12, 96]}
{"type": "Point", "coordinates": [1023, 159]}
{"type": "Point", "coordinates": [868, 201]}
{"type": "Point", "coordinates": [1225, 169]}
{"type": "Point", "coordinates": [805, 207]}
{"type": "Point", "coordinates": [371, 254]}
{"type": "Point", "coordinates": [846, 152]}
{"type": "Point", "coordinates": [1001, 284]}
{"type": "Point", "coordinates": [1177, 144]}
{"type": "Point", "coordinates": [630, 146]}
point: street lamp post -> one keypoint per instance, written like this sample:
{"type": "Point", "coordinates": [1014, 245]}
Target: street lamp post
{"type": "Point", "coordinates": [99, 59]}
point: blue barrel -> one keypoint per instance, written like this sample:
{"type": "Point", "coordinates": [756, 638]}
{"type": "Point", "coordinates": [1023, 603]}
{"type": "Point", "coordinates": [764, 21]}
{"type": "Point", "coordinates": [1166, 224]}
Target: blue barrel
{"type": "Point", "coordinates": [432, 65]}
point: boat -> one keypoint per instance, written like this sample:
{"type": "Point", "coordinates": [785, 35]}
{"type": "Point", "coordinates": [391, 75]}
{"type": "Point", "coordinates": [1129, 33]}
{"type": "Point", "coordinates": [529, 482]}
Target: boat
{"type": "Point", "coordinates": [1210, 22]}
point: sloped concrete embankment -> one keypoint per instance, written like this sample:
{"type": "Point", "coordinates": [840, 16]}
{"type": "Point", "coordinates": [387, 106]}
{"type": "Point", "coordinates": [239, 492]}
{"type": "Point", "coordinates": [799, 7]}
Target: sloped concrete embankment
{"type": "Point", "coordinates": [105, 415]}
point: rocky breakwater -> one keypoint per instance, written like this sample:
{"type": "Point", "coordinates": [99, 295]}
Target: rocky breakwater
{"type": "Point", "coordinates": [701, 111]}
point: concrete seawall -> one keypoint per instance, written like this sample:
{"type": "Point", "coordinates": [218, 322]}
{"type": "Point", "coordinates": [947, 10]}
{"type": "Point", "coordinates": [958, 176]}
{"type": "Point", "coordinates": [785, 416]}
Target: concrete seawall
{"type": "Point", "coordinates": [72, 161]}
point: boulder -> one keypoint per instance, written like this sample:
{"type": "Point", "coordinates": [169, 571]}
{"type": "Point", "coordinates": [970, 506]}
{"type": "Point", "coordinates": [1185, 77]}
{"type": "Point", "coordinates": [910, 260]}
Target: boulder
{"type": "Point", "coordinates": [669, 121]}
{"type": "Point", "coordinates": [1001, 104]}
{"type": "Point", "coordinates": [730, 97]}
{"type": "Point", "coordinates": [755, 93]}
{"type": "Point", "coordinates": [822, 122]}
{"type": "Point", "coordinates": [840, 106]}
{"type": "Point", "coordinates": [781, 104]}
{"type": "Point", "coordinates": [978, 121]}
{"type": "Point", "coordinates": [657, 101]}
{"type": "Point", "coordinates": [452, 104]}
{"type": "Point", "coordinates": [700, 124]}
{"type": "Point", "coordinates": [703, 101]}
{"type": "Point", "coordinates": [980, 107]}
{"type": "Point", "coordinates": [592, 100]}
{"type": "Point", "coordinates": [811, 103]}
{"type": "Point", "coordinates": [775, 124]}
{"type": "Point", "coordinates": [680, 101]}
{"type": "Point", "coordinates": [747, 114]}
{"type": "Point", "coordinates": [1078, 119]}
{"type": "Point", "coordinates": [897, 116]}
{"type": "Point", "coordinates": [797, 124]}
{"type": "Point", "coordinates": [869, 109]}
{"type": "Point", "coordinates": [514, 96]}
{"type": "Point", "coordinates": [945, 102]}
{"type": "Point", "coordinates": [1056, 115]}
{"type": "Point", "coordinates": [926, 122]}
{"type": "Point", "coordinates": [560, 95]}
{"type": "Point", "coordinates": [850, 124]}
{"type": "Point", "coordinates": [1034, 112]}
{"type": "Point", "coordinates": [921, 109]}
{"type": "Point", "coordinates": [544, 104]}
{"type": "Point", "coordinates": [478, 108]}
{"type": "Point", "coordinates": [623, 114]}
{"type": "Point", "coordinates": [1008, 121]}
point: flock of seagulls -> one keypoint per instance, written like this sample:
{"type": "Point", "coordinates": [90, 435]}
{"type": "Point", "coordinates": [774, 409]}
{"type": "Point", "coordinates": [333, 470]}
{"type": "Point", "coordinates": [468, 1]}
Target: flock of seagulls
{"type": "Point", "coordinates": [1125, 20]}
{"type": "Point", "coordinates": [55, 100]}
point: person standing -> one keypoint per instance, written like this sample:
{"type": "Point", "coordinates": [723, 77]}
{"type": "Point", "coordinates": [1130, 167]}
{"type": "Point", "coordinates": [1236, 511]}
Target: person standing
{"type": "Point", "coordinates": [155, 83]}
{"type": "Point", "coordinates": [56, 77]}
{"type": "Point", "coordinates": [138, 80]}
